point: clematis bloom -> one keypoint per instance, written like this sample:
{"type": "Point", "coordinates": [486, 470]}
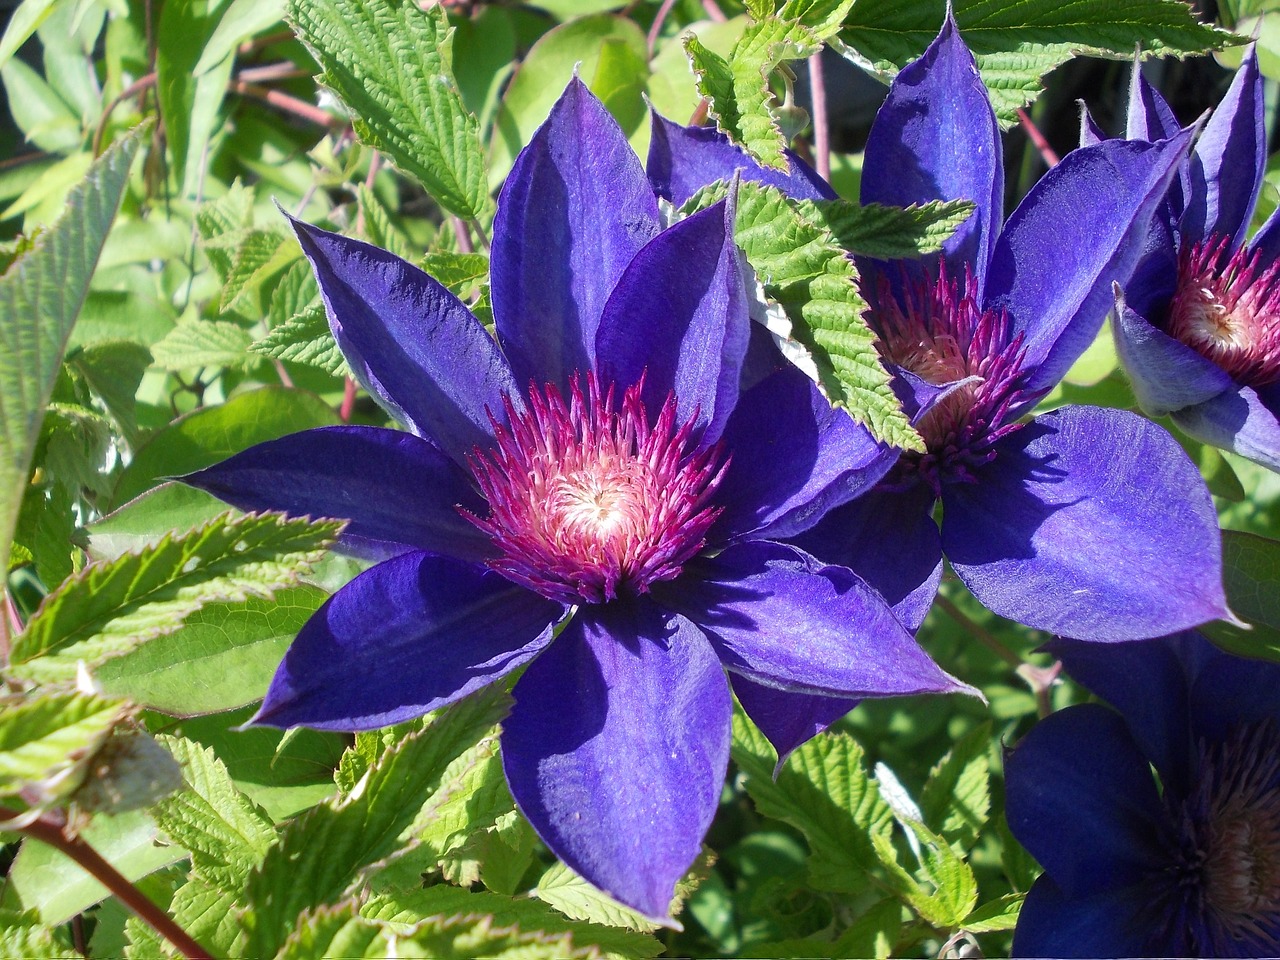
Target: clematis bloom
{"type": "Point", "coordinates": [1182, 864]}
{"type": "Point", "coordinates": [592, 496]}
{"type": "Point", "coordinates": [1198, 326]}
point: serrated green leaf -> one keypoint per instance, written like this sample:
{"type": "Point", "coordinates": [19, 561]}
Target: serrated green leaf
{"type": "Point", "coordinates": [259, 256]}
{"type": "Point", "coordinates": [324, 851]}
{"type": "Point", "coordinates": [956, 799]}
{"type": "Point", "coordinates": [1250, 572]}
{"type": "Point", "coordinates": [888, 233]}
{"type": "Point", "coordinates": [805, 270]}
{"type": "Point", "coordinates": [759, 9]}
{"type": "Point", "coordinates": [203, 343]}
{"type": "Point", "coordinates": [296, 292]}
{"type": "Point", "coordinates": [1016, 44]}
{"type": "Point", "coordinates": [23, 935]}
{"type": "Point", "coordinates": [470, 937]}
{"type": "Point", "coordinates": [338, 932]}
{"type": "Point", "coordinates": [579, 900]}
{"type": "Point", "coordinates": [112, 606]}
{"type": "Point", "coordinates": [460, 272]}
{"type": "Point", "coordinates": [113, 369]}
{"type": "Point", "coordinates": [48, 740]}
{"type": "Point", "coordinates": [874, 934]}
{"type": "Point", "coordinates": [40, 297]}
{"type": "Point", "coordinates": [305, 338]}
{"type": "Point", "coordinates": [378, 228]}
{"type": "Point", "coordinates": [823, 17]}
{"type": "Point", "coordinates": [410, 905]}
{"type": "Point", "coordinates": [954, 889]}
{"type": "Point", "coordinates": [210, 916]}
{"type": "Point", "coordinates": [391, 63]}
{"type": "Point", "coordinates": [995, 915]}
{"type": "Point", "coordinates": [225, 832]}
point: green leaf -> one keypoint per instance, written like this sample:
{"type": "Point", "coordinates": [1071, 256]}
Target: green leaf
{"type": "Point", "coordinates": [115, 605]}
{"type": "Point", "coordinates": [995, 915]}
{"type": "Point", "coordinates": [22, 24]}
{"type": "Point", "coordinates": [339, 932]}
{"type": "Point", "coordinates": [203, 343]}
{"type": "Point", "coordinates": [460, 272]}
{"type": "Point", "coordinates": [113, 369]}
{"type": "Point", "coordinates": [257, 256]}
{"type": "Point", "coordinates": [222, 657]}
{"type": "Point", "coordinates": [146, 520]}
{"type": "Point", "coordinates": [392, 63]}
{"type": "Point", "coordinates": [410, 905]}
{"type": "Point", "coordinates": [579, 900]}
{"type": "Point", "coordinates": [49, 739]}
{"type": "Point", "coordinates": [806, 271]}
{"type": "Point", "coordinates": [1251, 570]}
{"type": "Point", "coordinates": [378, 228]}
{"type": "Point", "coordinates": [323, 852]}
{"type": "Point", "coordinates": [1016, 44]}
{"type": "Point", "coordinates": [954, 887]}
{"type": "Point", "coordinates": [956, 799]}
{"type": "Point", "coordinates": [40, 297]}
{"type": "Point", "coordinates": [225, 832]}
{"type": "Point", "coordinates": [888, 233]}
{"type": "Point", "coordinates": [240, 20]}
{"type": "Point", "coordinates": [874, 934]}
{"type": "Point", "coordinates": [23, 935]}
{"type": "Point", "coordinates": [304, 338]}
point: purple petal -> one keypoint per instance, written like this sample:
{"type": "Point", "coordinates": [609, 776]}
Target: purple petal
{"type": "Point", "coordinates": [794, 457]}
{"type": "Point", "coordinates": [889, 539]}
{"type": "Point", "coordinates": [1227, 692]}
{"type": "Point", "coordinates": [1090, 132]}
{"type": "Point", "coordinates": [1228, 161]}
{"type": "Point", "coordinates": [617, 748]}
{"type": "Point", "coordinates": [575, 209]}
{"type": "Point", "coordinates": [936, 138]}
{"type": "Point", "coordinates": [918, 396]}
{"type": "Point", "coordinates": [1165, 373]}
{"type": "Point", "coordinates": [398, 491]}
{"type": "Point", "coordinates": [787, 719]}
{"type": "Point", "coordinates": [684, 159]}
{"type": "Point", "coordinates": [1078, 231]}
{"type": "Point", "coordinates": [412, 344]}
{"type": "Point", "coordinates": [679, 318]}
{"type": "Point", "coordinates": [1080, 797]}
{"type": "Point", "coordinates": [403, 638]}
{"type": "Point", "coordinates": [1239, 420]}
{"type": "Point", "coordinates": [1108, 923]}
{"type": "Point", "coordinates": [1150, 117]}
{"type": "Point", "coordinates": [1093, 524]}
{"type": "Point", "coordinates": [786, 620]}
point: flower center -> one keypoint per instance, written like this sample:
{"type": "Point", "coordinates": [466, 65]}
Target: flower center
{"type": "Point", "coordinates": [938, 332]}
{"type": "Point", "coordinates": [588, 502]}
{"type": "Point", "coordinates": [1227, 308]}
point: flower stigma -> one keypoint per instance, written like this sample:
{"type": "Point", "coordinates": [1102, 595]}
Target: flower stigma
{"type": "Point", "coordinates": [588, 501]}
{"type": "Point", "coordinates": [1227, 308]}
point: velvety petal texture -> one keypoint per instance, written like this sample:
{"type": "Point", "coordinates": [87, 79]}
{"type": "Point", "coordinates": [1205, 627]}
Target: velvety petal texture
{"type": "Point", "coordinates": [1239, 420]}
{"type": "Point", "coordinates": [617, 747]}
{"type": "Point", "coordinates": [1165, 373]}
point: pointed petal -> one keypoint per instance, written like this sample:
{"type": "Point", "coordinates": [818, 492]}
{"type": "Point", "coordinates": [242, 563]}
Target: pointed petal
{"type": "Point", "coordinates": [1228, 161]}
{"type": "Point", "coordinates": [786, 620]}
{"type": "Point", "coordinates": [410, 342]}
{"type": "Point", "coordinates": [403, 638]}
{"type": "Point", "coordinates": [1239, 420]}
{"type": "Point", "coordinates": [793, 458]}
{"type": "Point", "coordinates": [889, 539]}
{"type": "Point", "coordinates": [1090, 132]}
{"type": "Point", "coordinates": [787, 719]}
{"type": "Point", "coordinates": [1107, 923]}
{"type": "Point", "coordinates": [1165, 374]}
{"type": "Point", "coordinates": [1090, 523]}
{"type": "Point", "coordinates": [1078, 231]}
{"type": "Point", "coordinates": [575, 209]}
{"type": "Point", "coordinates": [1150, 116]}
{"type": "Point", "coordinates": [936, 138]}
{"type": "Point", "coordinates": [617, 748]}
{"type": "Point", "coordinates": [684, 159]}
{"type": "Point", "coordinates": [917, 395]}
{"type": "Point", "coordinates": [1081, 799]}
{"type": "Point", "coordinates": [398, 491]}
{"type": "Point", "coordinates": [679, 318]}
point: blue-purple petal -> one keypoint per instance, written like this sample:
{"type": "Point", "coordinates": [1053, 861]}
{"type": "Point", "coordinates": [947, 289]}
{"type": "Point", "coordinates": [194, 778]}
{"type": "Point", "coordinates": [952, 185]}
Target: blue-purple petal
{"type": "Point", "coordinates": [679, 318]}
{"type": "Point", "coordinates": [403, 638]}
{"type": "Point", "coordinates": [786, 620]}
{"type": "Point", "coordinates": [397, 491]}
{"type": "Point", "coordinates": [1108, 923]}
{"type": "Point", "coordinates": [1078, 231]}
{"type": "Point", "coordinates": [684, 159]}
{"type": "Point", "coordinates": [576, 208]}
{"type": "Point", "coordinates": [617, 747]}
{"type": "Point", "coordinates": [936, 138]}
{"type": "Point", "coordinates": [1090, 523]}
{"type": "Point", "coordinates": [793, 458]}
{"type": "Point", "coordinates": [1242, 420]}
{"type": "Point", "coordinates": [1150, 117]}
{"type": "Point", "coordinates": [1090, 132]}
{"type": "Point", "coordinates": [412, 344]}
{"type": "Point", "coordinates": [1228, 161]}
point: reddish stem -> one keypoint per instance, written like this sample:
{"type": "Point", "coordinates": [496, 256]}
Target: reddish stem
{"type": "Point", "coordinates": [700, 113]}
{"type": "Point", "coordinates": [818, 93]}
{"type": "Point", "coordinates": [657, 24]}
{"type": "Point", "coordinates": [285, 102]}
{"type": "Point", "coordinates": [348, 400]}
{"type": "Point", "coordinates": [1037, 138]}
{"type": "Point", "coordinates": [714, 11]}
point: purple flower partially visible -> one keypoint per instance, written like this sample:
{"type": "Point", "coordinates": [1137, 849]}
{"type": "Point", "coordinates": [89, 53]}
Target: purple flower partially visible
{"type": "Point", "coordinates": [1185, 863]}
{"type": "Point", "coordinates": [593, 497]}
{"type": "Point", "coordinates": [1198, 326]}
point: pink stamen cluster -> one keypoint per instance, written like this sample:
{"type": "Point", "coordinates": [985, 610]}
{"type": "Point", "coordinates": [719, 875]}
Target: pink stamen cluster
{"type": "Point", "coordinates": [1227, 308]}
{"type": "Point", "coordinates": [588, 503]}
{"type": "Point", "coordinates": [941, 335]}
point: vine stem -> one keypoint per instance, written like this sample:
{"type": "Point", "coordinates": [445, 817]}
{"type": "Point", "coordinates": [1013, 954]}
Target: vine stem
{"type": "Point", "coordinates": [1047, 153]}
{"type": "Point", "coordinates": [983, 636]}
{"type": "Point", "coordinates": [46, 831]}
{"type": "Point", "coordinates": [818, 96]}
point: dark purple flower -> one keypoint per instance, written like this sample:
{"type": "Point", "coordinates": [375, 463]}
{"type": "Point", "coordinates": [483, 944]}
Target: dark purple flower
{"type": "Point", "coordinates": [1198, 326]}
{"type": "Point", "coordinates": [1185, 863]}
{"type": "Point", "coordinates": [592, 496]}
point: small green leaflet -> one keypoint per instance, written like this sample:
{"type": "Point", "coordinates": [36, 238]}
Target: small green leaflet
{"type": "Point", "coordinates": [888, 233]}
{"type": "Point", "coordinates": [304, 338]}
{"type": "Point", "coordinates": [204, 343]}
{"type": "Point", "coordinates": [40, 297]}
{"type": "Point", "coordinates": [1016, 44]}
{"type": "Point", "coordinates": [48, 740]}
{"type": "Point", "coordinates": [23, 935]}
{"type": "Point", "coordinates": [956, 800]}
{"type": "Point", "coordinates": [111, 606]}
{"type": "Point", "coordinates": [995, 915]}
{"type": "Point", "coordinates": [392, 64]}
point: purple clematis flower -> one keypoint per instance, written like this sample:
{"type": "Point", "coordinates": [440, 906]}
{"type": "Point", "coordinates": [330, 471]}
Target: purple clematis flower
{"type": "Point", "coordinates": [1198, 326]}
{"type": "Point", "coordinates": [1182, 864]}
{"type": "Point", "coordinates": [592, 496]}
